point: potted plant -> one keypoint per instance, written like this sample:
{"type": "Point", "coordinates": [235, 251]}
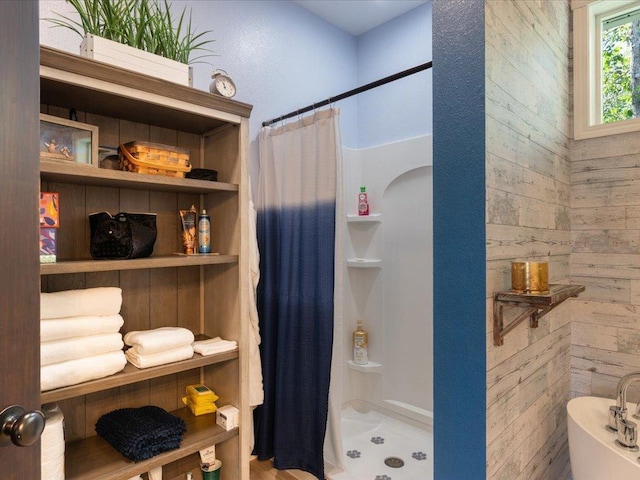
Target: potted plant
{"type": "Point", "coordinates": [140, 35]}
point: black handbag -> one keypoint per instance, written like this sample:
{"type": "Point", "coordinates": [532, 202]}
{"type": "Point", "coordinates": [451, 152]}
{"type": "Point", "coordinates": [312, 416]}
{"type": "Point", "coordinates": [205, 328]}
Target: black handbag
{"type": "Point", "coordinates": [122, 236]}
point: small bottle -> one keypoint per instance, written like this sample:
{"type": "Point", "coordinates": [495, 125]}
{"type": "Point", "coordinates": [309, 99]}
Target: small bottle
{"type": "Point", "coordinates": [204, 233]}
{"type": "Point", "coordinates": [360, 344]}
{"type": "Point", "coordinates": [363, 202]}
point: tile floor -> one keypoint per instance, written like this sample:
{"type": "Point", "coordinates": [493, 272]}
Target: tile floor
{"type": "Point", "coordinates": [370, 437]}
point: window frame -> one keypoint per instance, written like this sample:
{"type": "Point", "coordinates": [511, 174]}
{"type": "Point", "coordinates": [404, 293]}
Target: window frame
{"type": "Point", "coordinates": [587, 118]}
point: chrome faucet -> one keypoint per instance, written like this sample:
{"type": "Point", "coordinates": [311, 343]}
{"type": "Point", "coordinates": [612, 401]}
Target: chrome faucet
{"type": "Point", "coordinates": [627, 430]}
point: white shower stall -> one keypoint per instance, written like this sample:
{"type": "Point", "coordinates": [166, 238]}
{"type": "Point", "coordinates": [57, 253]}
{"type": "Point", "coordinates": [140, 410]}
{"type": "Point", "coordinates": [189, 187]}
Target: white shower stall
{"type": "Point", "coordinates": [387, 283]}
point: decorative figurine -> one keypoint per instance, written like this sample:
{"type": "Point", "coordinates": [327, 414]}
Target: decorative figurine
{"type": "Point", "coordinates": [52, 146]}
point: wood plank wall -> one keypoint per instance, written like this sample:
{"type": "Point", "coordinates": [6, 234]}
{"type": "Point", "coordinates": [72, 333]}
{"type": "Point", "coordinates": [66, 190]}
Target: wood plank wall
{"type": "Point", "coordinates": [605, 218]}
{"type": "Point", "coordinates": [528, 218]}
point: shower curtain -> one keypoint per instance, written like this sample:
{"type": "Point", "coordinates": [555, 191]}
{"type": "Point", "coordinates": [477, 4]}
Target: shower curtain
{"type": "Point", "coordinates": [298, 185]}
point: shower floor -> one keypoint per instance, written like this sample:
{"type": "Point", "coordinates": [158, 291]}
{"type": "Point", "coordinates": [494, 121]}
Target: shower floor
{"type": "Point", "coordinates": [369, 437]}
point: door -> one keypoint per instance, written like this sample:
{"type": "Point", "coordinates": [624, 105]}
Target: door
{"type": "Point", "coordinates": [19, 258]}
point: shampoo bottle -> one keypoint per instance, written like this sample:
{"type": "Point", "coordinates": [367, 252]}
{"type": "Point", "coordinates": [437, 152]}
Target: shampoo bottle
{"type": "Point", "coordinates": [204, 233]}
{"type": "Point", "coordinates": [363, 202]}
{"type": "Point", "coordinates": [360, 345]}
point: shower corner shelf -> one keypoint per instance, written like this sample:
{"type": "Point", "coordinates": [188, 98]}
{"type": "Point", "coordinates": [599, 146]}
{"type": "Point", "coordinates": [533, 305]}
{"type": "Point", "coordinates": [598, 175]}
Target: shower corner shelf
{"type": "Point", "coordinates": [536, 306]}
{"type": "Point", "coordinates": [371, 218]}
{"type": "Point", "coordinates": [364, 262]}
{"type": "Point", "coordinates": [371, 367]}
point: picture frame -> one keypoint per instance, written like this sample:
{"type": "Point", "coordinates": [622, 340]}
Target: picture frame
{"type": "Point", "coordinates": [68, 141]}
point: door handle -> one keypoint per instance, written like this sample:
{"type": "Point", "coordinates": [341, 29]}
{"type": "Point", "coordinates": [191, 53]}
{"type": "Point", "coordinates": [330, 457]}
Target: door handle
{"type": "Point", "coordinates": [20, 427]}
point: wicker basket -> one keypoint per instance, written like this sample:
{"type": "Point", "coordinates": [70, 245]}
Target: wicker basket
{"type": "Point", "coordinates": [154, 158]}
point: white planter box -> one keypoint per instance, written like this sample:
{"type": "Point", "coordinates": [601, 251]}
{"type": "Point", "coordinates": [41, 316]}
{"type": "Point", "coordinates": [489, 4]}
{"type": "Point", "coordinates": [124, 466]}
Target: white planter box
{"type": "Point", "coordinates": [130, 58]}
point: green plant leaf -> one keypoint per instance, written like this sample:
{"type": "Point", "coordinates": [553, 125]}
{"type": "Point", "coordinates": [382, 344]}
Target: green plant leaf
{"type": "Point", "coordinates": [144, 24]}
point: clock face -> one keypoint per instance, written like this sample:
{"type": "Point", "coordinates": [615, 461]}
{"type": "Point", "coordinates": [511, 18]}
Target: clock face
{"type": "Point", "coordinates": [225, 86]}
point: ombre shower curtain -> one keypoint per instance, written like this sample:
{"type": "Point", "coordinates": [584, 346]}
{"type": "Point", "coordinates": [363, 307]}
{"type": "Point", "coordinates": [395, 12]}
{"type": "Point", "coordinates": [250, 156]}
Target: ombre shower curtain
{"type": "Point", "coordinates": [299, 184]}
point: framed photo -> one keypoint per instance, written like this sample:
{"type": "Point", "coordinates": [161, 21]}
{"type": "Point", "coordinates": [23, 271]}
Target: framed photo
{"type": "Point", "coordinates": [68, 141]}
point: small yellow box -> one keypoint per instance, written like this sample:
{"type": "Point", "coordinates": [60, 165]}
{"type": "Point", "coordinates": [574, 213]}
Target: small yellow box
{"type": "Point", "coordinates": [199, 409]}
{"type": "Point", "coordinates": [201, 394]}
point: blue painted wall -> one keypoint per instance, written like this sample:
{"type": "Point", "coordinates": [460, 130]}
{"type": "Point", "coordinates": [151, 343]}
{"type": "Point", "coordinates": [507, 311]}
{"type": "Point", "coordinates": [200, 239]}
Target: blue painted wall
{"type": "Point", "coordinates": [459, 240]}
{"type": "Point", "coordinates": [401, 109]}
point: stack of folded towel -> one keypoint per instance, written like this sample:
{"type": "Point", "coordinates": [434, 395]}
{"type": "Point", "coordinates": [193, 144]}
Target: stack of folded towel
{"type": "Point", "coordinates": [213, 346]}
{"type": "Point", "coordinates": [159, 346]}
{"type": "Point", "coordinates": [79, 336]}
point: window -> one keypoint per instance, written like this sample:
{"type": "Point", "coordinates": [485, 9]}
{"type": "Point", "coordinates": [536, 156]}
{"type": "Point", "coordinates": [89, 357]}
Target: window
{"type": "Point", "coordinates": [606, 46]}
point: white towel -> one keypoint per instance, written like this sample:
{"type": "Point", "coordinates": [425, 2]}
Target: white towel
{"type": "Point", "coordinates": [52, 443]}
{"type": "Point", "coordinates": [69, 327]}
{"type": "Point", "coordinates": [58, 351]}
{"type": "Point", "coordinates": [159, 340]}
{"type": "Point", "coordinates": [151, 360]}
{"type": "Point", "coordinates": [214, 345]}
{"type": "Point", "coordinates": [75, 303]}
{"type": "Point", "coordinates": [72, 372]}
{"type": "Point", "coordinates": [256, 389]}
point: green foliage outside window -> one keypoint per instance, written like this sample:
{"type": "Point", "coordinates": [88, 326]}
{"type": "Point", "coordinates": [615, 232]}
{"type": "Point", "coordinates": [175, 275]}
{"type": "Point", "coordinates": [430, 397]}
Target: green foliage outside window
{"type": "Point", "coordinates": [616, 74]}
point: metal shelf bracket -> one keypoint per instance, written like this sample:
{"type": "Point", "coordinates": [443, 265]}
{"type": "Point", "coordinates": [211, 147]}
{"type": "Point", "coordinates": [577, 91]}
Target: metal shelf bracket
{"type": "Point", "coordinates": [535, 307]}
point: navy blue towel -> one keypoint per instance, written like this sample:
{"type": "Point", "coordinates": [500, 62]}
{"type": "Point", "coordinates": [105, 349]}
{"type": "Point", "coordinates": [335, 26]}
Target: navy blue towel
{"type": "Point", "coordinates": [141, 433]}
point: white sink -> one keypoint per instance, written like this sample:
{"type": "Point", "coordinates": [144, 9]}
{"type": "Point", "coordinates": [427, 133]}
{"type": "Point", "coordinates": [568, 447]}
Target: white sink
{"type": "Point", "coordinates": [594, 454]}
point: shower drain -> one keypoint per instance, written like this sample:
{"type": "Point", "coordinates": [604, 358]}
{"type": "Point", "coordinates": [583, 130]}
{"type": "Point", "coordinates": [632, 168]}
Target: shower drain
{"type": "Point", "coordinates": [394, 462]}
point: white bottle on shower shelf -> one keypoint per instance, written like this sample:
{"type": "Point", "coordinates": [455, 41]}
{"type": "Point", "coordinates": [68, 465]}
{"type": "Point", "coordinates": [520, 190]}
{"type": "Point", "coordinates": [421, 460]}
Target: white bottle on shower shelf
{"type": "Point", "coordinates": [360, 345]}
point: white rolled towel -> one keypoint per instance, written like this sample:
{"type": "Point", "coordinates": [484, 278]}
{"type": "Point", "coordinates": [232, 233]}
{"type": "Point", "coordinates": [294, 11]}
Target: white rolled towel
{"type": "Point", "coordinates": [72, 372]}
{"type": "Point", "coordinates": [70, 327]}
{"type": "Point", "coordinates": [214, 345]}
{"type": "Point", "coordinates": [52, 443]}
{"type": "Point", "coordinates": [153, 359]}
{"type": "Point", "coordinates": [75, 303]}
{"type": "Point", "coordinates": [58, 351]}
{"type": "Point", "coordinates": [159, 339]}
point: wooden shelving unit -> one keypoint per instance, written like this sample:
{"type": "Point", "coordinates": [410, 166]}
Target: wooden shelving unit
{"type": "Point", "coordinates": [535, 307]}
{"type": "Point", "coordinates": [204, 293]}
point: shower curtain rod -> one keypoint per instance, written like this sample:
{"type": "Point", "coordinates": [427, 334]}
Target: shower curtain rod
{"type": "Point", "coordinates": [355, 91]}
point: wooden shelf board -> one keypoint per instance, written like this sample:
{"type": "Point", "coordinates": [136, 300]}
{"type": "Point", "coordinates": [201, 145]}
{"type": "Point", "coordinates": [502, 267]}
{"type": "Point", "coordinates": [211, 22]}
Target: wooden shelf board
{"type": "Point", "coordinates": [69, 172]}
{"type": "Point", "coordinates": [94, 458]}
{"type": "Point", "coordinates": [116, 99]}
{"type": "Point", "coordinates": [164, 261]}
{"type": "Point", "coordinates": [131, 374]}
{"type": "Point", "coordinates": [557, 294]}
